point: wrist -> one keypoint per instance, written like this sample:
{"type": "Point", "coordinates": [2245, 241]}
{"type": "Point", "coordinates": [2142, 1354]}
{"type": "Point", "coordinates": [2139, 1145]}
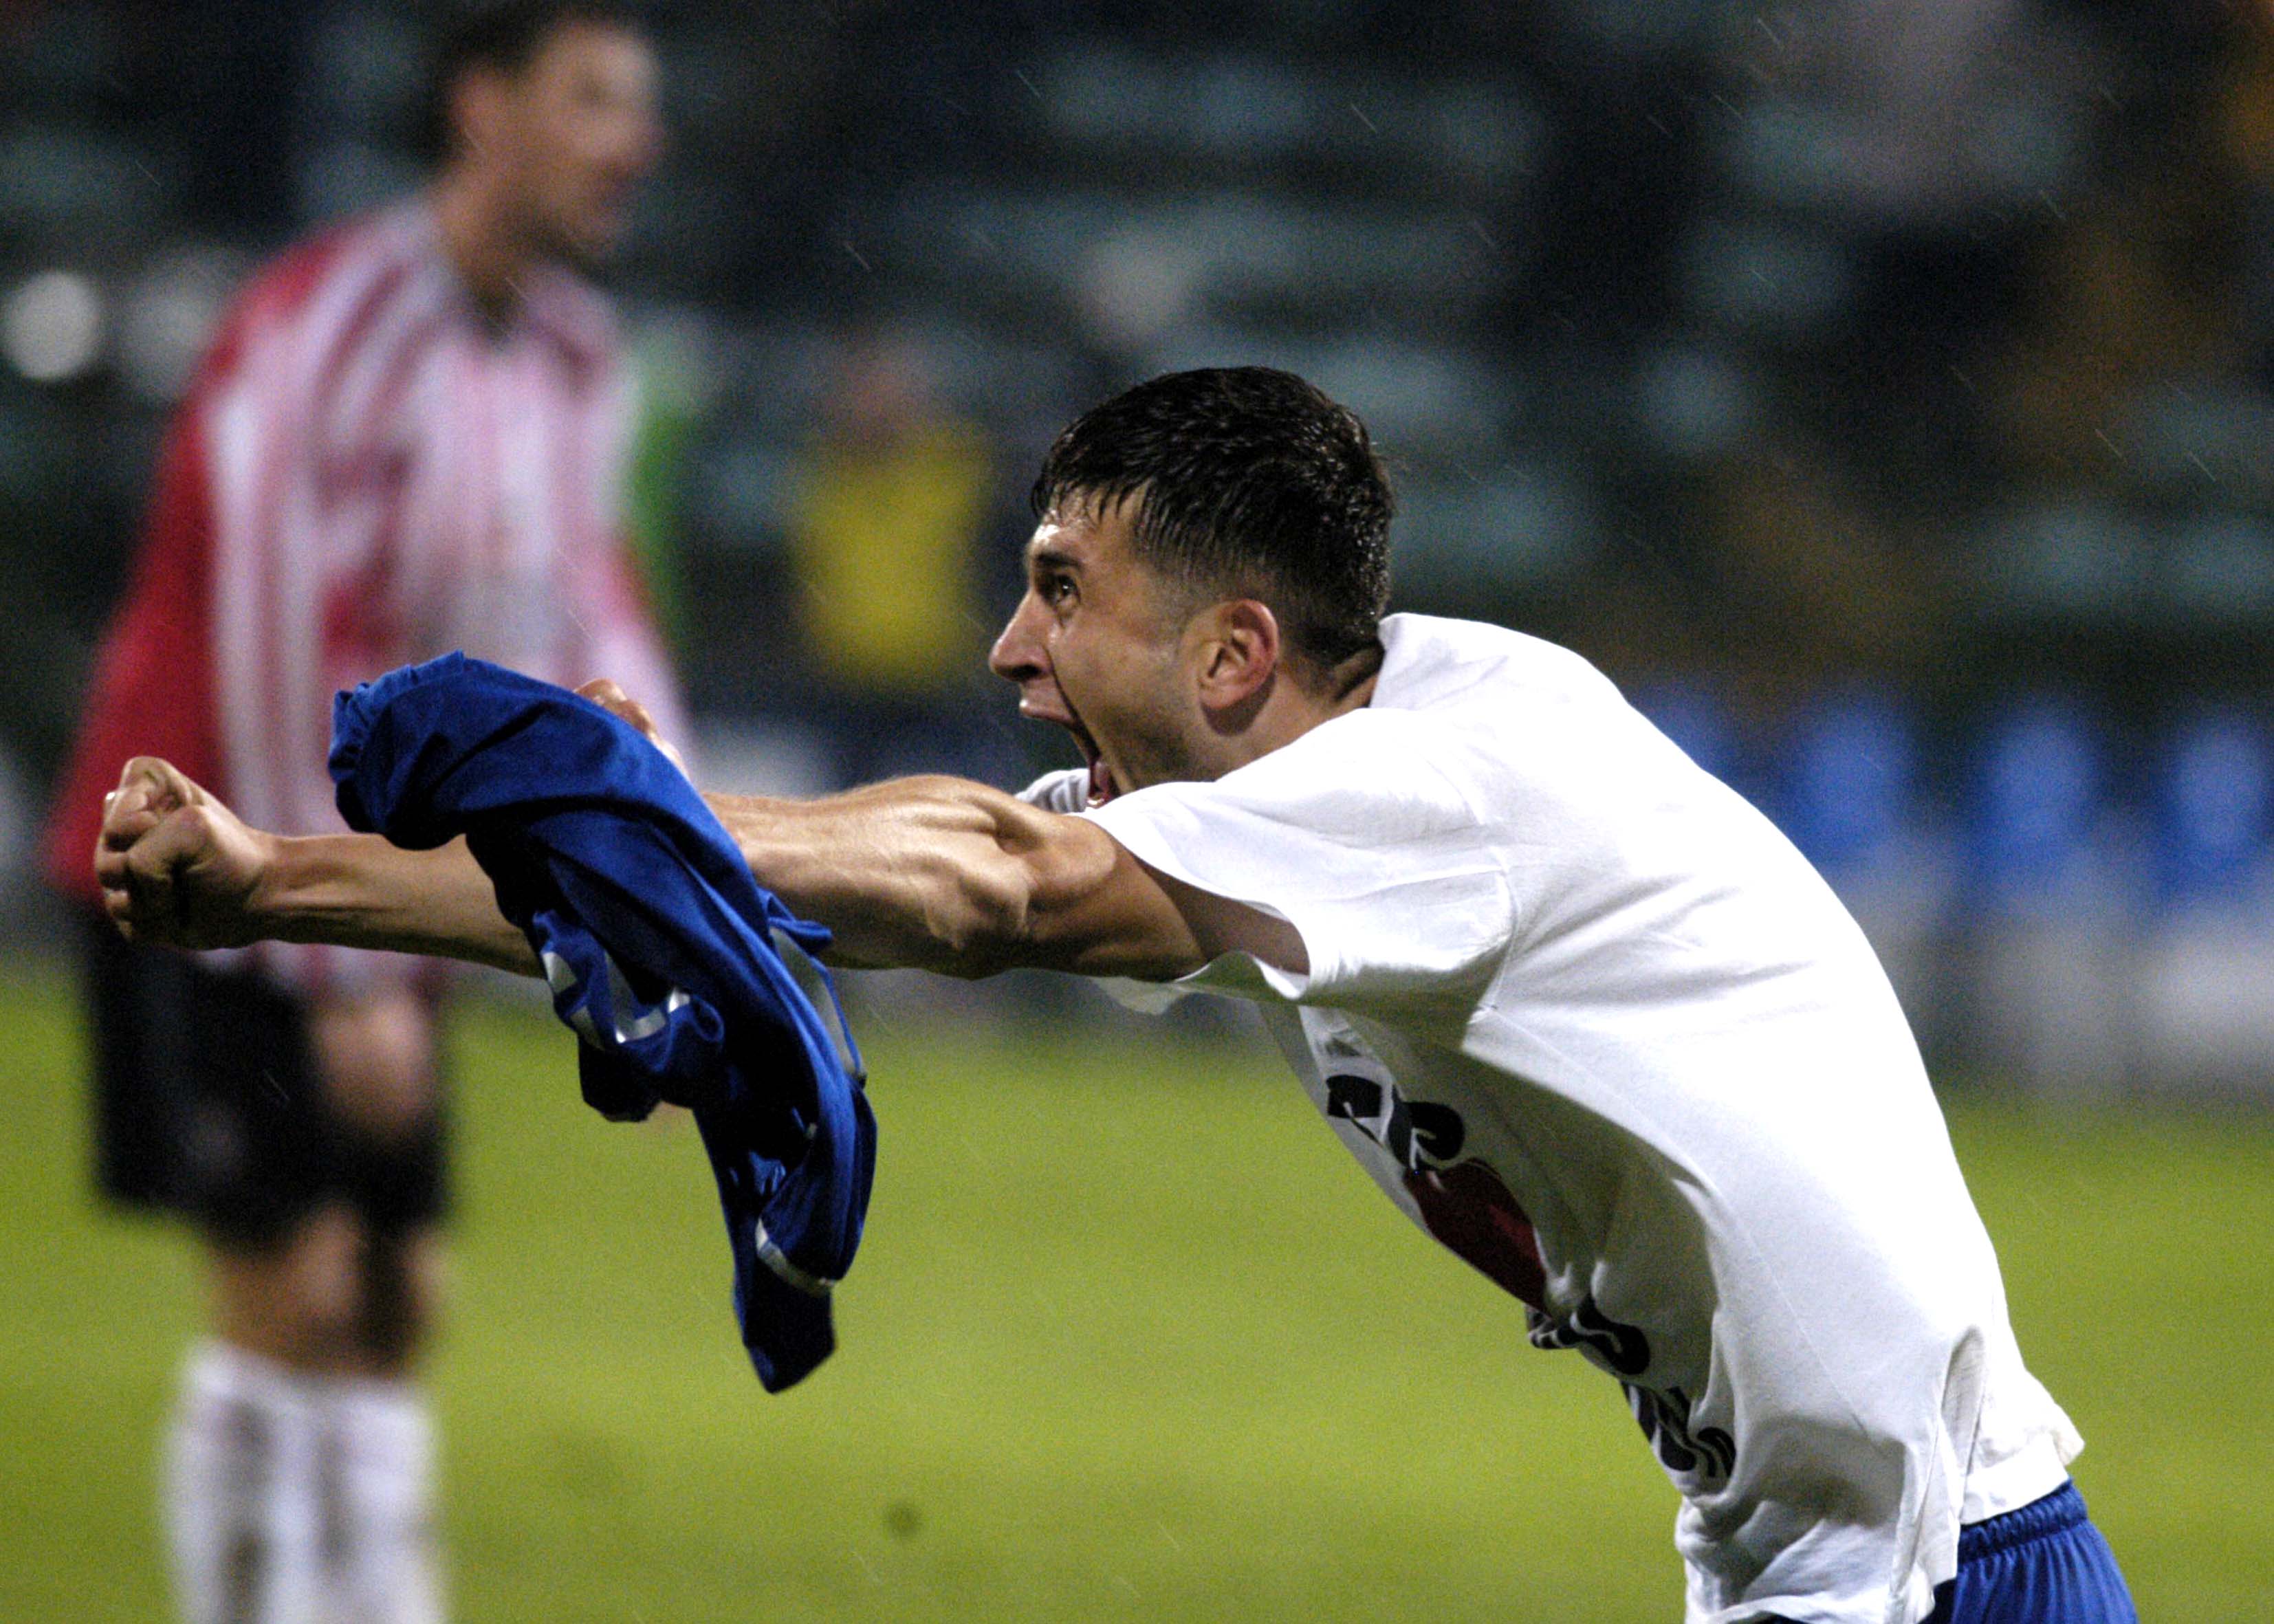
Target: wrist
{"type": "Point", "coordinates": [275, 903]}
{"type": "Point", "coordinates": [753, 823]}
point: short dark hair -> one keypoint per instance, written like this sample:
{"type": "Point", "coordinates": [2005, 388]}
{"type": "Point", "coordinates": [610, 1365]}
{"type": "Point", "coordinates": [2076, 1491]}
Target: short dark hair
{"type": "Point", "coordinates": [502, 37]}
{"type": "Point", "coordinates": [1248, 481]}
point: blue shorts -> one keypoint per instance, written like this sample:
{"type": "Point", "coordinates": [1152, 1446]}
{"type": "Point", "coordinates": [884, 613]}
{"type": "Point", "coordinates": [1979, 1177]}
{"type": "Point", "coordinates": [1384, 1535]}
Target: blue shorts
{"type": "Point", "coordinates": [2042, 1564]}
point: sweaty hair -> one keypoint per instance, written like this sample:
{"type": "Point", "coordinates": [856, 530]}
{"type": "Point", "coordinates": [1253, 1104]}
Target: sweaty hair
{"type": "Point", "coordinates": [1248, 482]}
{"type": "Point", "coordinates": [503, 36]}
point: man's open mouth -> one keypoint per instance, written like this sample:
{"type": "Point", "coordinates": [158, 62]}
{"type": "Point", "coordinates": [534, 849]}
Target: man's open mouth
{"type": "Point", "coordinates": [1052, 705]}
{"type": "Point", "coordinates": [1102, 787]}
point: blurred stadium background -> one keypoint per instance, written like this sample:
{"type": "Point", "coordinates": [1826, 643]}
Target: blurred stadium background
{"type": "Point", "coordinates": [1880, 393]}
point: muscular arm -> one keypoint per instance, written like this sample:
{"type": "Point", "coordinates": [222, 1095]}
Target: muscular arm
{"type": "Point", "coordinates": [933, 873]}
{"type": "Point", "coordinates": [943, 874]}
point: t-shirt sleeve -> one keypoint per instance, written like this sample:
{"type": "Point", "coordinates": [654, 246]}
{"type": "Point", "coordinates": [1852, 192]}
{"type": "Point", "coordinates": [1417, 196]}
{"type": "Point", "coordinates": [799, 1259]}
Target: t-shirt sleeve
{"type": "Point", "coordinates": [1065, 790]}
{"type": "Point", "coordinates": [1362, 835]}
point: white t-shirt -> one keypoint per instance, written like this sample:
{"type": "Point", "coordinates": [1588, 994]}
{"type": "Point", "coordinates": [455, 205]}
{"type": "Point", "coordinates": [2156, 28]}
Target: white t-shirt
{"type": "Point", "coordinates": [1590, 1021]}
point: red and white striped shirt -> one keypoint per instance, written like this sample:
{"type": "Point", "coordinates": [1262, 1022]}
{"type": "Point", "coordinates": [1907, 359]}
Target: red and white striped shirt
{"type": "Point", "coordinates": [366, 472]}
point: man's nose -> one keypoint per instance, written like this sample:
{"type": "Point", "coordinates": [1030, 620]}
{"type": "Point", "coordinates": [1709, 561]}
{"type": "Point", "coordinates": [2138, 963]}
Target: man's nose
{"type": "Point", "coordinates": [1018, 655]}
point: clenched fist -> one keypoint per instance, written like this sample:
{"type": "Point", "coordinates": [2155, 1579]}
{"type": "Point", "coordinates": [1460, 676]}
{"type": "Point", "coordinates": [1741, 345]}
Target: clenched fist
{"type": "Point", "coordinates": [176, 866]}
{"type": "Point", "coordinates": [618, 703]}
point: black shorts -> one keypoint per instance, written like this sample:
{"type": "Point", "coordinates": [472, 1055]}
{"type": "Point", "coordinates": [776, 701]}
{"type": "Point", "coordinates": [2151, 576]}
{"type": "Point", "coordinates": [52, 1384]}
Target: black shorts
{"type": "Point", "coordinates": [209, 1102]}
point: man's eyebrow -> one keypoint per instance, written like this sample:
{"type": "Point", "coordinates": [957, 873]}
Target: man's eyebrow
{"type": "Point", "coordinates": [1051, 557]}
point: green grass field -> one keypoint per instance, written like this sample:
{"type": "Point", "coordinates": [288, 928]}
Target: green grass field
{"type": "Point", "coordinates": [1129, 1339]}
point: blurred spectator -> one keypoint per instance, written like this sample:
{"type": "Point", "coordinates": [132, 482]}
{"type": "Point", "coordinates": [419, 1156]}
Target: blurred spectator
{"type": "Point", "coordinates": [889, 512]}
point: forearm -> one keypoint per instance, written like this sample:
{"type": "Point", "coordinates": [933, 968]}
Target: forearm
{"type": "Point", "coordinates": [906, 874]}
{"type": "Point", "coordinates": [358, 891]}
{"type": "Point", "coordinates": [932, 873]}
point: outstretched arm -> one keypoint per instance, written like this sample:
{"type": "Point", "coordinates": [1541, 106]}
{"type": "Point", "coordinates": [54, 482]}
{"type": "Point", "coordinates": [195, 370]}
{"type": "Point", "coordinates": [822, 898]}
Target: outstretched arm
{"type": "Point", "coordinates": [943, 874]}
{"type": "Point", "coordinates": [933, 873]}
{"type": "Point", "coordinates": [178, 866]}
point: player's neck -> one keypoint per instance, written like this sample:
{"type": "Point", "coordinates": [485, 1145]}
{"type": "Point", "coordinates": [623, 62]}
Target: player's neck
{"type": "Point", "coordinates": [487, 253]}
{"type": "Point", "coordinates": [1291, 707]}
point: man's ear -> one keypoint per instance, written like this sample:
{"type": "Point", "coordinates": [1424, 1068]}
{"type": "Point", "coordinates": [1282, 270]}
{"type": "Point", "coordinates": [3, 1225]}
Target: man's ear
{"type": "Point", "coordinates": [1239, 653]}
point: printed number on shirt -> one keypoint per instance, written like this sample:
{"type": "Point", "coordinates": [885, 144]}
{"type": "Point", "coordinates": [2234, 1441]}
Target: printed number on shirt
{"type": "Point", "coordinates": [1469, 1209]}
{"type": "Point", "coordinates": [1707, 1453]}
{"type": "Point", "coordinates": [1467, 1204]}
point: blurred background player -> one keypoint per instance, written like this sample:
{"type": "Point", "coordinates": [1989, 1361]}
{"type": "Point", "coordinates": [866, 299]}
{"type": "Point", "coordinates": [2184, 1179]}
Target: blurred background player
{"type": "Point", "coordinates": [407, 437]}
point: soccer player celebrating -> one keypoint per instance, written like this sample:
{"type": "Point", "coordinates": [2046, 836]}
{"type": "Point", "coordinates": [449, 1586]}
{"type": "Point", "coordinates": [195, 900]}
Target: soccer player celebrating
{"type": "Point", "coordinates": [406, 439]}
{"type": "Point", "coordinates": [1583, 1013]}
